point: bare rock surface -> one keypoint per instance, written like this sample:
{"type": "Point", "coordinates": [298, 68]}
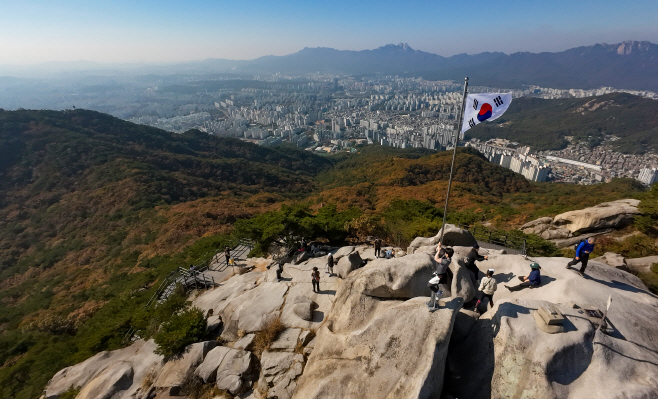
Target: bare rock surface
{"type": "Point", "coordinates": [366, 349]}
{"type": "Point", "coordinates": [347, 264]}
{"type": "Point", "coordinates": [613, 214]}
{"type": "Point", "coordinates": [453, 236]}
{"type": "Point", "coordinates": [287, 339]}
{"type": "Point", "coordinates": [229, 368]}
{"type": "Point", "coordinates": [126, 368]}
{"type": "Point", "coordinates": [506, 354]}
{"type": "Point", "coordinates": [254, 309]}
{"type": "Point", "coordinates": [175, 371]}
{"type": "Point", "coordinates": [279, 371]}
{"type": "Point", "coordinates": [614, 260]}
{"type": "Point", "coordinates": [642, 265]}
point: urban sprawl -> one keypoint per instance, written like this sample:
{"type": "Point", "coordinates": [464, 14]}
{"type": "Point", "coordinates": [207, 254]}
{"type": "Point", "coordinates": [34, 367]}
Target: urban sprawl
{"type": "Point", "coordinates": [327, 114]}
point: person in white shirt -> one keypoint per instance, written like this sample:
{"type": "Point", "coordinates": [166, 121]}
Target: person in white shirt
{"type": "Point", "coordinates": [436, 292]}
{"type": "Point", "coordinates": [487, 288]}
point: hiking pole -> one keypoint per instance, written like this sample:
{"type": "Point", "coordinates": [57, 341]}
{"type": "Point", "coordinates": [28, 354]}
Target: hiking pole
{"type": "Point", "coordinates": [454, 154]}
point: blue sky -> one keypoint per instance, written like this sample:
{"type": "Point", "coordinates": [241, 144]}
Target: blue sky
{"type": "Point", "coordinates": [167, 31]}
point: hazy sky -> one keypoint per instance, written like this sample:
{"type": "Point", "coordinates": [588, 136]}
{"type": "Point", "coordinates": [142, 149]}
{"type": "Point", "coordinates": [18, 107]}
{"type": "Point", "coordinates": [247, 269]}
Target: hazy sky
{"type": "Point", "coordinates": [163, 31]}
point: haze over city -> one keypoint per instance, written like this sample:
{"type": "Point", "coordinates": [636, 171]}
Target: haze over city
{"type": "Point", "coordinates": [150, 31]}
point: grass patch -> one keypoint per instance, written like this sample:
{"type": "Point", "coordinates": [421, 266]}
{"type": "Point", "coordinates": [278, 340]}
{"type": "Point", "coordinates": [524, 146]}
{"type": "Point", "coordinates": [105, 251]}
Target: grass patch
{"type": "Point", "coordinates": [265, 337]}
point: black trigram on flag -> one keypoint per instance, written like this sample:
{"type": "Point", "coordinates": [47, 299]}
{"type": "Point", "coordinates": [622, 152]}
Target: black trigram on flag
{"type": "Point", "coordinates": [471, 122]}
{"type": "Point", "coordinates": [498, 101]}
{"type": "Point", "coordinates": [475, 103]}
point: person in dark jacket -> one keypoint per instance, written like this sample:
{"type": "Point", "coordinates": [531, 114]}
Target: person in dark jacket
{"type": "Point", "coordinates": [582, 254]}
{"type": "Point", "coordinates": [378, 247]}
{"type": "Point", "coordinates": [315, 279]}
{"type": "Point", "coordinates": [330, 265]}
{"type": "Point", "coordinates": [227, 254]}
{"type": "Point", "coordinates": [532, 280]}
{"type": "Point", "coordinates": [473, 256]}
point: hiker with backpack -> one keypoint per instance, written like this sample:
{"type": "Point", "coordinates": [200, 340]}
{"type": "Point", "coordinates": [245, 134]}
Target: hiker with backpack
{"type": "Point", "coordinates": [330, 265]}
{"type": "Point", "coordinates": [487, 288]}
{"type": "Point", "coordinates": [315, 279]}
{"type": "Point", "coordinates": [532, 280]}
{"type": "Point", "coordinates": [583, 249]}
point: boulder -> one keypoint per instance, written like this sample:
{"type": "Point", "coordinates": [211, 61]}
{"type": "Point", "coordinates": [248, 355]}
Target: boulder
{"type": "Point", "coordinates": [553, 233]}
{"type": "Point", "coordinates": [454, 236]}
{"type": "Point", "coordinates": [612, 259]}
{"type": "Point", "coordinates": [347, 264]}
{"type": "Point", "coordinates": [287, 339]}
{"type": "Point", "coordinates": [252, 310]}
{"type": "Point", "coordinates": [367, 348]}
{"type": "Point", "coordinates": [279, 370]}
{"type": "Point", "coordinates": [303, 307]}
{"type": "Point", "coordinates": [116, 377]}
{"type": "Point", "coordinates": [118, 372]}
{"type": "Point", "coordinates": [400, 278]}
{"type": "Point", "coordinates": [343, 251]}
{"type": "Point", "coordinates": [537, 222]}
{"type": "Point", "coordinates": [615, 214]}
{"type": "Point", "coordinates": [642, 265]}
{"type": "Point", "coordinates": [229, 368]}
{"type": "Point", "coordinates": [176, 371]}
{"type": "Point", "coordinates": [245, 343]}
{"type": "Point", "coordinates": [462, 282]}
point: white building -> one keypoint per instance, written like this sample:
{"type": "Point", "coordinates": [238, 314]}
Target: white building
{"type": "Point", "coordinates": [648, 176]}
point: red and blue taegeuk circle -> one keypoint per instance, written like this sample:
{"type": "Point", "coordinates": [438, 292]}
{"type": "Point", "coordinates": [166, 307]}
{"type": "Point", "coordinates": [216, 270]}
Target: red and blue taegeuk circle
{"type": "Point", "coordinates": [485, 112]}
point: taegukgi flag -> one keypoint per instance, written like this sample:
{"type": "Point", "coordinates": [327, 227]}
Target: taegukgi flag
{"type": "Point", "coordinates": [484, 107]}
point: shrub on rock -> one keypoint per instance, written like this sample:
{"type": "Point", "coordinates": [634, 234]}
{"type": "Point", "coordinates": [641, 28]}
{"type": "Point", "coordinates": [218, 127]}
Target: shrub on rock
{"type": "Point", "coordinates": [181, 330]}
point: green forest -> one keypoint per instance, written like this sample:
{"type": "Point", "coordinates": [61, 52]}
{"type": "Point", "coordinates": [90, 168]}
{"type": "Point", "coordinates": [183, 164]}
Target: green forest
{"type": "Point", "coordinates": [544, 124]}
{"type": "Point", "coordinates": [95, 211]}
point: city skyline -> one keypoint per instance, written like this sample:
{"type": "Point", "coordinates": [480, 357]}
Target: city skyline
{"type": "Point", "coordinates": [35, 32]}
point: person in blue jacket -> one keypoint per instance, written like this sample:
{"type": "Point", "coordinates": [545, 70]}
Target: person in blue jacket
{"type": "Point", "coordinates": [532, 280]}
{"type": "Point", "coordinates": [582, 254]}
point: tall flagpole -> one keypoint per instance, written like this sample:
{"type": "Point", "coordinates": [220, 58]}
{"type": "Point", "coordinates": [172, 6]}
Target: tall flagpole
{"type": "Point", "coordinates": [454, 154]}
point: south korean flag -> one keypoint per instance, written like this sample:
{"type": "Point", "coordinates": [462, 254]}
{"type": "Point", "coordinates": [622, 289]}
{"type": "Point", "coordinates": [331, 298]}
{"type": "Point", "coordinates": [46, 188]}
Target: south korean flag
{"type": "Point", "coordinates": [484, 107]}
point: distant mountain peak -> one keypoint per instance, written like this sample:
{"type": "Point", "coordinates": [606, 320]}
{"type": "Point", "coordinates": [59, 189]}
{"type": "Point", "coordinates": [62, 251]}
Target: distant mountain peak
{"type": "Point", "coordinates": [629, 46]}
{"type": "Point", "coordinates": [404, 47]}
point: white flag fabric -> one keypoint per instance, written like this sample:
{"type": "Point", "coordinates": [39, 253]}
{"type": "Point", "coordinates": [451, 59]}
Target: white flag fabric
{"type": "Point", "coordinates": [482, 107]}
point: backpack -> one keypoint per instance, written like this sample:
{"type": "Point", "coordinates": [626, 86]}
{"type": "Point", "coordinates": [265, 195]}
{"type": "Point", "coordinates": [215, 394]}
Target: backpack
{"type": "Point", "coordinates": [578, 244]}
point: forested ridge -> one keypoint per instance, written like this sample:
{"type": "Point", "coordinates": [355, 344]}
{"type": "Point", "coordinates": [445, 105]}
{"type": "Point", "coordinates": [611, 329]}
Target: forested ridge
{"type": "Point", "coordinates": [544, 124]}
{"type": "Point", "coordinates": [94, 211]}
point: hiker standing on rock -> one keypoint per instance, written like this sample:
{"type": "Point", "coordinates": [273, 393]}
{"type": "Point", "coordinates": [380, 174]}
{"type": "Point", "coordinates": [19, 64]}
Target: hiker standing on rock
{"type": "Point", "coordinates": [487, 288]}
{"type": "Point", "coordinates": [378, 247]}
{"type": "Point", "coordinates": [582, 254]}
{"type": "Point", "coordinates": [330, 265]}
{"type": "Point", "coordinates": [315, 279]}
{"type": "Point", "coordinates": [473, 256]}
{"type": "Point", "coordinates": [227, 255]}
{"type": "Point", "coordinates": [532, 280]}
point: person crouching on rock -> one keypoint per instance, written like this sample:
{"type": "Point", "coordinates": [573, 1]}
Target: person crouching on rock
{"type": "Point", "coordinates": [473, 256]}
{"type": "Point", "coordinates": [532, 280]}
{"type": "Point", "coordinates": [433, 285]}
{"type": "Point", "coordinates": [315, 279]}
{"type": "Point", "coordinates": [487, 288]}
